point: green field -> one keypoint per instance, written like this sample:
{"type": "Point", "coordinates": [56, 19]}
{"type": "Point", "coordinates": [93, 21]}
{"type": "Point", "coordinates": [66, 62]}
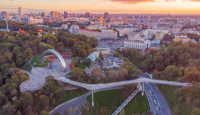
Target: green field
{"type": "Point", "coordinates": [138, 105]}
{"type": "Point", "coordinates": [108, 101]}
{"type": "Point", "coordinates": [82, 66]}
{"type": "Point", "coordinates": [36, 60]}
{"type": "Point", "coordinates": [172, 100]}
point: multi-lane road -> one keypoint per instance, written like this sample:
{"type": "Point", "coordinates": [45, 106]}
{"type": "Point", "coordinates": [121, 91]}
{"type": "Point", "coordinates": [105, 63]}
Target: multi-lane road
{"type": "Point", "coordinates": [157, 102]}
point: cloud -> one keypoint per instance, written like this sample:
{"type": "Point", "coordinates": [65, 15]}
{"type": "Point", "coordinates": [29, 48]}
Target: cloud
{"type": "Point", "coordinates": [191, 0]}
{"type": "Point", "coordinates": [130, 1]}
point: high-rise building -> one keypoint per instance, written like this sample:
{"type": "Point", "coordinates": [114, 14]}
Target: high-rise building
{"type": "Point", "coordinates": [92, 15]}
{"type": "Point", "coordinates": [4, 14]}
{"type": "Point", "coordinates": [43, 14]}
{"type": "Point", "coordinates": [54, 15]}
{"type": "Point", "coordinates": [65, 14]}
{"type": "Point", "coordinates": [106, 15]}
{"type": "Point", "coordinates": [101, 22]}
{"type": "Point", "coordinates": [87, 15]}
{"type": "Point", "coordinates": [20, 11]}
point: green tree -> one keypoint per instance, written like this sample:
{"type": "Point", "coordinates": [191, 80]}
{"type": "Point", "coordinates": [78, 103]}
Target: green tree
{"type": "Point", "coordinates": [19, 62]}
{"type": "Point", "coordinates": [100, 55]}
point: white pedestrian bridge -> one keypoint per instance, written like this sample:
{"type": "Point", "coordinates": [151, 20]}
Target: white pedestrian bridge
{"type": "Point", "coordinates": [114, 84]}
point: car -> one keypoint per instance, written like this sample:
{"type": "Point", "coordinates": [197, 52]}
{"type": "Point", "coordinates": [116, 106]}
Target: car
{"type": "Point", "coordinates": [152, 94]}
{"type": "Point", "coordinates": [156, 108]}
{"type": "Point", "coordinates": [155, 101]}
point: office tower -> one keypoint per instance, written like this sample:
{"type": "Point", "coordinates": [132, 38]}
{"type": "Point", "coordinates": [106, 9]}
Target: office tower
{"type": "Point", "coordinates": [43, 14]}
{"type": "Point", "coordinates": [54, 15]}
{"type": "Point", "coordinates": [106, 15]}
{"type": "Point", "coordinates": [92, 15]}
{"type": "Point", "coordinates": [20, 11]}
{"type": "Point", "coordinates": [100, 22]}
{"type": "Point", "coordinates": [4, 14]}
{"type": "Point", "coordinates": [65, 14]}
{"type": "Point", "coordinates": [87, 15]}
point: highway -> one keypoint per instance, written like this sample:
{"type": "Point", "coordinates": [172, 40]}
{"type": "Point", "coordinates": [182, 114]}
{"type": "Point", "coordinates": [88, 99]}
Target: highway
{"type": "Point", "coordinates": [161, 104]}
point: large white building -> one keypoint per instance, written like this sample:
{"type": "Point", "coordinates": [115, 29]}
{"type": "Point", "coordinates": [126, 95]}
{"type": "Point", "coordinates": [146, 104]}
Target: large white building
{"type": "Point", "coordinates": [104, 34]}
{"type": "Point", "coordinates": [137, 42]}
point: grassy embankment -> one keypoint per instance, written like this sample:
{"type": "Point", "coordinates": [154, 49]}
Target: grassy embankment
{"type": "Point", "coordinates": [172, 100]}
{"type": "Point", "coordinates": [112, 99]}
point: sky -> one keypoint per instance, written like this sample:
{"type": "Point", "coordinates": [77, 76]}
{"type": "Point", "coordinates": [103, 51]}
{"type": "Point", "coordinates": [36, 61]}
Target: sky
{"type": "Point", "coordinates": [101, 6]}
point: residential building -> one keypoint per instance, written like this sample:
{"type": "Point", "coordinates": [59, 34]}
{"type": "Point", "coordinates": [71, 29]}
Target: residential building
{"type": "Point", "coordinates": [117, 62]}
{"type": "Point", "coordinates": [74, 29]}
{"type": "Point", "coordinates": [100, 22]}
{"type": "Point", "coordinates": [183, 37]}
{"type": "Point", "coordinates": [54, 15]}
{"type": "Point", "coordinates": [20, 12]}
{"type": "Point", "coordinates": [94, 27]}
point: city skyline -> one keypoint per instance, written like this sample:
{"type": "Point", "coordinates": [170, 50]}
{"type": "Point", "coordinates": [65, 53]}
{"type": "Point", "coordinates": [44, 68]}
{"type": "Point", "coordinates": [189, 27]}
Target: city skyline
{"type": "Point", "coordinates": [101, 6]}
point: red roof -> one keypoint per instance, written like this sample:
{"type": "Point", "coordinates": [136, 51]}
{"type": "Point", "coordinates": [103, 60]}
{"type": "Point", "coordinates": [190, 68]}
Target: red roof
{"type": "Point", "coordinates": [40, 30]}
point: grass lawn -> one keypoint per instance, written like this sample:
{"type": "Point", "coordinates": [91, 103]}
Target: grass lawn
{"type": "Point", "coordinates": [168, 91]}
{"type": "Point", "coordinates": [82, 66]}
{"type": "Point", "coordinates": [36, 60]}
{"type": "Point", "coordinates": [112, 99]}
{"type": "Point", "coordinates": [25, 67]}
{"type": "Point", "coordinates": [138, 105]}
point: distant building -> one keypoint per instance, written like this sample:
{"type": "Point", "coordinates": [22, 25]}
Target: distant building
{"type": "Point", "coordinates": [106, 15]}
{"type": "Point", "coordinates": [43, 14]}
{"type": "Point", "coordinates": [183, 37]}
{"type": "Point", "coordinates": [65, 26]}
{"type": "Point", "coordinates": [104, 34]}
{"type": "Point", "coordinates": [155, 42]}
{"type": "Point", "coordinates": [101, 22]}
{"type": "Point", "coordinates": [124, 31]}
{"type": "Point", "coordinates": [74, 29]}
{"type": "Point", "coordinates": [20, 12]}
{"type": "Point", "coordinates": [30, 20]}
{"type": "Point", "coordinates": [66, 15]}
{"type": "Point", "coordinates": [54, 15]}
{"type": "Point", "coordinates": [87, 15]}
{"type": "Point", "coordinates": [104, 49]}
{"type": "Point", "coordinates": [187, 20]}
{"type": "Point", "coordinates": [4, 14]}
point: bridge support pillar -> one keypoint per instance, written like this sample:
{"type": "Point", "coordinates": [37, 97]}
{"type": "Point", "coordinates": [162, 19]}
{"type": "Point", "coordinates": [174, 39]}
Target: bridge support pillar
{"type": "Point", "coordinates": [92, 98]}
{"type": "Point", "coordinates": [143, 89]}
